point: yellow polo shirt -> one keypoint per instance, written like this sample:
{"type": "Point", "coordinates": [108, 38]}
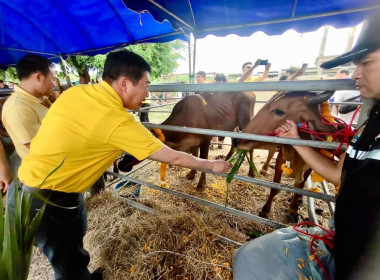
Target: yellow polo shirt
{"type": "Point", "coordinates": [22, 116]}
{"type": "Point", "coordinates": [88, 128]}
{"type": "Point", "coordinates": [249, 79]}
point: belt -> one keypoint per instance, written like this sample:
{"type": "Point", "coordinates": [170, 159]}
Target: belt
{"type": "Point", "coordinates": [51, 193]}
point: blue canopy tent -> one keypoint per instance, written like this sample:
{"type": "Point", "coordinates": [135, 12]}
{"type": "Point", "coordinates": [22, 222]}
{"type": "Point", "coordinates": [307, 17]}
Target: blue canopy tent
{"type": "Point", "coordinates": [62, 28]}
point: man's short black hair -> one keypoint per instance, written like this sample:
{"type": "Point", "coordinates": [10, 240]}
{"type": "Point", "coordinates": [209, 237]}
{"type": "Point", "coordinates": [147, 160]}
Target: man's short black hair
{"type": "Point", "coordinates": [125, 63]}
{"type": "Point", "coordinates": [220, 78]}
{"type": "Point", "coordinates": [1, 82]}
{"type": "Point", "coordinates": [202, 74]}
{"type": "Point", "coordinates": [344, 71]}
{"type": "Point", "coordinates": [32, 63]}
{"type": "Point", "coordinates": [245, 64]}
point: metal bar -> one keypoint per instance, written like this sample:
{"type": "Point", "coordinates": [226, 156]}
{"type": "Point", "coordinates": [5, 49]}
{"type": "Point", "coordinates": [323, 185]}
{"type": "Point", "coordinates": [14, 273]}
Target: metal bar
{"type": "Point", "coordinates": [310, 204]}
{"type": "Point", "coordinates": [154, 106]}
{"type": "Point", "coordinates": [205, 202]}
{"type": "Point", "coordinates": [159, 112]}
{"type": "Point", "coordinates": [112, 182]}
{"type": "Point", "coordinates": [228, 241]}
{"type": "Point", "coordinates": [139, 206]}
{"type": "Point", "coordinates": [330, 204]}
{"type": "Point", "coordinates": [265, 101]}
{"type": "Point", "coordinates": [277, 186]}
{"type": "Point", "coordinates": [248, 136]}
{"type": "Point", "coordinates": [170, 13]}
{"type": "Point", "coordinates": [166, 98]}
{"type": "Point", "coordinates": [311, 85]}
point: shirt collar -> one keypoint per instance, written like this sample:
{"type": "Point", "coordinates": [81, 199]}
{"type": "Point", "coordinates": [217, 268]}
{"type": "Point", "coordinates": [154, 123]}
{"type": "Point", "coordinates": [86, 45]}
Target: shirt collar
{"type": "Point", "coordinates": [26, 94]}
{"type": "Point", "coordinates": [111, 91]}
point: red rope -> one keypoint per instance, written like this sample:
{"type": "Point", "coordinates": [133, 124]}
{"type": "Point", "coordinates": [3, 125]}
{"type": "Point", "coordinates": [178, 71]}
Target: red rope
{"type": "Point", "coordinates": [326, 238]}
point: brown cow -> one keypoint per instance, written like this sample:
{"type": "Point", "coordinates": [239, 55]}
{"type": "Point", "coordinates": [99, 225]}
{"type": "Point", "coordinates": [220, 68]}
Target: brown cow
{"type": "Point", "coordinates": [219, 111]}
{"type": "Point", "coordinates": [296, 106]}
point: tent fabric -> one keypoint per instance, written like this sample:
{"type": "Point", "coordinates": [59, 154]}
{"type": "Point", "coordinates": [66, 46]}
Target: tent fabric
{"type": "Point", "coordinates": [244, 17]}
{"type": "Point", "coordinates": [89, 27]}
{"type": "Point", "coordinates": [54, 28]}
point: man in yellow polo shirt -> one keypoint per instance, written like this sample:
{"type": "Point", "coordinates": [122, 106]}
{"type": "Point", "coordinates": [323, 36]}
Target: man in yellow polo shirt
{"type": "Point", "coordinates": [24, 110]}
{"type": "Point", "coordinates": [248, 68]}
{"type": "Point", "coordinates": [86, 129]}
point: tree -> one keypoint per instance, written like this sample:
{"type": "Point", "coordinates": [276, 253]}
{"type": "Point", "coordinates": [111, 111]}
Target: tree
{"type": "Point", "coordinates": [162, 57]}
{"type": "Point", "coordinates": [10, 72]}
{"type": "Point", "coordinates": [82, 65]}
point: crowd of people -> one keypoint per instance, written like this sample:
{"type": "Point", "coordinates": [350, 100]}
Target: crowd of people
{"type": "Point", "coordinates": [87, 128]}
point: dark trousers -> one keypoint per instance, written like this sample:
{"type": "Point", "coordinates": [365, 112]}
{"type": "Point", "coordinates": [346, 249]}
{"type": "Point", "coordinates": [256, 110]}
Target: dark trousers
{"type": "Point", "coordinates": [60, 233]}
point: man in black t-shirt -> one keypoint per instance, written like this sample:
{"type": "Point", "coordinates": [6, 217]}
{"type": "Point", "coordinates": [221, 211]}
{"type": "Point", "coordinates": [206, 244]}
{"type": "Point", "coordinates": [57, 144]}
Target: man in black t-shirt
{"type": "Point", "coordinates": [357, 216]}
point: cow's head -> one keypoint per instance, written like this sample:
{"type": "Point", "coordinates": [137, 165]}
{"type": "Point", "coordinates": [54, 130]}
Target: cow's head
{"type": "Point", "coordinates": [296, 106]}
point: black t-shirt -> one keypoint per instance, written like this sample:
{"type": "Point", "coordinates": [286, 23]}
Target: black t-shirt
{"type": "Point", "coordinates": [357, 216]}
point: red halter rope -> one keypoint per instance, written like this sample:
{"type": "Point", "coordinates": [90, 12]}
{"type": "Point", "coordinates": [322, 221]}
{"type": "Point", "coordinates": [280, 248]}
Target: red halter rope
{"type": "Point", "coordinates": [326, 238]}
{"type": "Point", "coordinates": [344, 135]}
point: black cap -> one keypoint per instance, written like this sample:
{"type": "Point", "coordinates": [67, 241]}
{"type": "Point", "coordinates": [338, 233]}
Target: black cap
{"type": "Point", "coordinates": [368, 41]}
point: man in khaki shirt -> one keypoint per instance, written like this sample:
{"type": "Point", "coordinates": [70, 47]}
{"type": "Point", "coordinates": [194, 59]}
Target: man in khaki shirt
{"type": "Point", "coordinates": [24, 110]}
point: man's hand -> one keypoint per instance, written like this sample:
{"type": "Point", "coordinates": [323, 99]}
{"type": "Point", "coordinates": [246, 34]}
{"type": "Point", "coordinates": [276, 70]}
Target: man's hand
{"type": "Point", "coordinates": [221, 166]}
{"type": "Point", "coordinates": [288, 130]}
{"type": "Point", "coordinates": [257, 63]}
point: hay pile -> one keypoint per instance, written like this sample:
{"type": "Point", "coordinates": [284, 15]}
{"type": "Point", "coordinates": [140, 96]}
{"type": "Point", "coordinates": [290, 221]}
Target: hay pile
{"type": "Point", "coordinates": [182, 241]}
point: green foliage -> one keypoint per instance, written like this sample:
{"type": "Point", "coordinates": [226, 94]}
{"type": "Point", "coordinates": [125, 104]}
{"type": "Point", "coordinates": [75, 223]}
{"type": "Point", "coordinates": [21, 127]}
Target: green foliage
{"type": "Point", "coordinates": [17, 232]}
{"type": "Point", "coordinates": [81, 65]}
{"type": "Point", "coordinates": [11, 73]}
{"type": "Point", "coordinates": [16, 237]}
{"type": "Point", "coordinates": [162, 57]}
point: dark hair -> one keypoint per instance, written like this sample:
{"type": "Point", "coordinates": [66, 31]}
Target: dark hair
{"type": "Point", "coordinates": [32, 63]}
{"type": "Point", "coordinates": [344, 71]}
{"type": "Point", "coordinates": [284, 77]}
{"type": "Point", "coordinates": [1, 82]}
{"type": "Point", "coordinates": [292, 70]}
{"type": "Point", "coordinates": [220, 78]}
{"type": "Point", "coordinates": [125, 63]}
{"type": "Point", "coordinates": [245, 64]}
{"type": "Point", "coordinates": [202, 74]}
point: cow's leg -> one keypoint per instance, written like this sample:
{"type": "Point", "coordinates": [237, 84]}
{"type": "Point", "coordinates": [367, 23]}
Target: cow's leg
{"type": "Point", "coordinates": [264, 169]}
{"type": "Point", "coordinates": [231, 150]}
{"type": "Point", "coordinates": [273, 192]}
{"type": "Point", "coordinates": [194, 152]}
{"type": "Point", "coordinates": [250, 171]}
{"type": "Point", "coordinates": [295, 202]}
{"type": "Point", "coordinates": [204, 147]}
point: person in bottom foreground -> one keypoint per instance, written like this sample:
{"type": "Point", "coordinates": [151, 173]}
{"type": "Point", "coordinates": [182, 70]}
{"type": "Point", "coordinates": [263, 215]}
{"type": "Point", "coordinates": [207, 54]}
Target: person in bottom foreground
{"type": "Point", "coordinates": [357, 216]}
{"type": "Point", "coordinates": [86, 129]}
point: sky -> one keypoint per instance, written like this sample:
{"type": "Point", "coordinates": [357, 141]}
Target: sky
{"type": "Point", "coordinates": [227, 54]}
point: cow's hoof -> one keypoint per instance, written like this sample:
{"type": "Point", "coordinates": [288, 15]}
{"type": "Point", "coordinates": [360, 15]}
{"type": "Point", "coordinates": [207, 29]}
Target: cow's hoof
{"type": "Point", "coordinates": [294, 217]}
{"type": "Point", "coordinates": [201, 187]}
{"type": "Point", "coordinates": [263, 214]}
{"type": "Point", "coordinates": [264, 172]}
{"type": "Point", "coordinates": [251, 173]}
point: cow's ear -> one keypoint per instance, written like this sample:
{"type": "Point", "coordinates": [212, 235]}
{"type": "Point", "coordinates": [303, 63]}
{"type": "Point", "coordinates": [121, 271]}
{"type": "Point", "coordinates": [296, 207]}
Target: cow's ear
{"type": "Point", "coordinates": [320, 97]}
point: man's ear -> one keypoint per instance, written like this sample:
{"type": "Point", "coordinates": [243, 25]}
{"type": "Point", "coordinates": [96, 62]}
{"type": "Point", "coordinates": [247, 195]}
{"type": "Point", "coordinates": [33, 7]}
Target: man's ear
{"type": "Point", "coordinates": [38, 76]}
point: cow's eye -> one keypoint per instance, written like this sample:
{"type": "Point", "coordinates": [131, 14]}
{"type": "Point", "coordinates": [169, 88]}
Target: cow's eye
{"type": "Point", "coordinates": [278, 112]}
